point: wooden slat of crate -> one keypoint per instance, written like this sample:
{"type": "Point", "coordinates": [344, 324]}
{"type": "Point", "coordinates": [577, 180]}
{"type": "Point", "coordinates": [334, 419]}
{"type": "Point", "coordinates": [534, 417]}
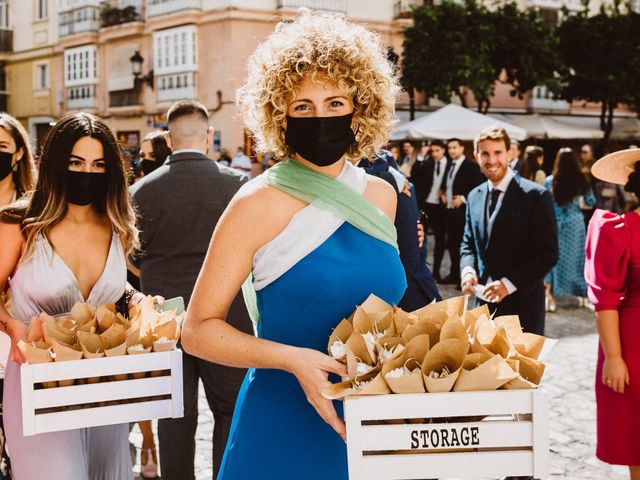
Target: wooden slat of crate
{"type": "Point", "coordinates": [92, 417]}
{"type": "Point", "coordinates": [101, 392]}
{"type": "Point", "coordinates": [489, 434]}
{"type": "Point", "coordinates": [443, 465]}
{"type": "Point", "coordinates": [420, 405]}
{"type": "Point", "coordinates": [98, 367]}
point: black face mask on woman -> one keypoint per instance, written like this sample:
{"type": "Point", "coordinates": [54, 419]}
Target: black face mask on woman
{"type": "Point", "coordinates": [85, 188]}
{"type": "Point", "coordinates": [6, 159]}
{"type": "Point", "coordinates": [148, 166]}
{"type": "Point", "coordinates": [320, 140]}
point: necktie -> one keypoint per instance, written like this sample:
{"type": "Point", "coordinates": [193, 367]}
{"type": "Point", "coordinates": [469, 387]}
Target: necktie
{"type": "Point", "coordinates": [437, 168]}
{"type": "Point", "coordinates": [495, 194]}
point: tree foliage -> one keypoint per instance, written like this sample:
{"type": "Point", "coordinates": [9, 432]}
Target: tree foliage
{"type": "Point", "coordinates": [452, 47]}
{"type": "Point", "coordinates": [601, 60]}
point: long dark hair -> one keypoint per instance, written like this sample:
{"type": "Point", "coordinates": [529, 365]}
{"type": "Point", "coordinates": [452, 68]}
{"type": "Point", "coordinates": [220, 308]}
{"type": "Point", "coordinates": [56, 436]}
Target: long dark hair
{"type": "Point", "coordinates": [159, 146]}
{"type": "Point", "coordinates": [568, 180]}
{"type": "Point", "coordinates": [46, 206]}
{"type": "Point", "coordinates": [530, 165]}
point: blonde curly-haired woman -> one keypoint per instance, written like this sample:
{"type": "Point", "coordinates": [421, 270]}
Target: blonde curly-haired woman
{"type": "Point", "coordinates": [315, 232]}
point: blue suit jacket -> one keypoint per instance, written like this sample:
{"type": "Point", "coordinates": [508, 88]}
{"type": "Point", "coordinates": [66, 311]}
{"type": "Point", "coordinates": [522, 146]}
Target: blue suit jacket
{"type": "Point", "coordinates": [522, 246]}
{"type": "Point", "coordinates": [421, 287]}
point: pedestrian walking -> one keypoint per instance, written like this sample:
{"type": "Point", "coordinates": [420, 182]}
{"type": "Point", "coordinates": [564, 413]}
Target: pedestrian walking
{"type": "Point", "coordinates": [612, 272]}
{"type": "Point", "coordinates": [510, 240]}
{"type": "Point", "coordinates": [242, 162]}
{"type": "Point", "coordinates": [571, 193]}
{"type": "Point", "coordinates": [531, 168]}
{"type": "Point", "coordinates": [179, 206]}
{"type": "Point", "coordinates": [461, 176]}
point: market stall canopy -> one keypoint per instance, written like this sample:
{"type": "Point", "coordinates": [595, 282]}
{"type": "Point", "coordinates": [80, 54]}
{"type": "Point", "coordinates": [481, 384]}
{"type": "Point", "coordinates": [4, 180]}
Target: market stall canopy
{"type": "Point", "coordinates": [452, 121]}
{"type": "Point", "coordinates": [554, 126]}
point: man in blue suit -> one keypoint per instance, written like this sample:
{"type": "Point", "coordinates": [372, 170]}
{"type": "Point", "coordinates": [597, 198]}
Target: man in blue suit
{"type": "Point", "coordinates": [510, 241]}
{"type": "Point", "coordinates": [421, 287]}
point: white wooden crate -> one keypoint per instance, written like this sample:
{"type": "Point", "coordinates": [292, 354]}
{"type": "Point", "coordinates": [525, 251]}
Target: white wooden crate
{"type": "Point", "coordinates": [106, 403]}
{"type": "Point", "coordinates": [395, 437]}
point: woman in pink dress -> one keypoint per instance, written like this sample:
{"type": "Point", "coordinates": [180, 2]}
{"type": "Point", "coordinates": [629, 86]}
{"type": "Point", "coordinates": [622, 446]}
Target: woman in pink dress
{"type": "Point", "coordinates": [612, 272]}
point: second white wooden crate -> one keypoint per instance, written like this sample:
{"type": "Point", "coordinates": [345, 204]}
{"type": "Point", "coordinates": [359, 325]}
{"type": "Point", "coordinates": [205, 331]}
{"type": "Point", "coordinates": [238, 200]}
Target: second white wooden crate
{"type": "Point", "coordinates": [447, 435]}
{"type": "Point", "coordinates": [157, 395]}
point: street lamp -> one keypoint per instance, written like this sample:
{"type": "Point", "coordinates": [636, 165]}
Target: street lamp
{"type": "Point", "coordinates": [136, 69]}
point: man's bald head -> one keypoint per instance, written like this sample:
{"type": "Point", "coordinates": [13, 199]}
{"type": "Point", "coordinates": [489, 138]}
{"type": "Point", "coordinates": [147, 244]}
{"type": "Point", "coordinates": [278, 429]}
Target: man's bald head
{"type": "Point", "coordinates": [188, 125]}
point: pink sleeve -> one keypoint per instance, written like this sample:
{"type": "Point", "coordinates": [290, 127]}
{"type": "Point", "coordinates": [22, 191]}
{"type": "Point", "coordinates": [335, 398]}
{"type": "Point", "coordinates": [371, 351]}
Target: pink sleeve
{"type": "Point", "coordinates": [607, 257]}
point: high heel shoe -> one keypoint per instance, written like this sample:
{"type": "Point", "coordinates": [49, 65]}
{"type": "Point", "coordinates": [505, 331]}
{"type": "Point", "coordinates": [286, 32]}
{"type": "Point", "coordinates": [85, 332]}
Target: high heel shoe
{"type": "Point", "coordinates": [149, 469]}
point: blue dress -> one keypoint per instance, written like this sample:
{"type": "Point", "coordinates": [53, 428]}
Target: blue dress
{"type": "Point", "coordinates": [276, 433]}
{"type": "Point", "coordinates": [567, 277]}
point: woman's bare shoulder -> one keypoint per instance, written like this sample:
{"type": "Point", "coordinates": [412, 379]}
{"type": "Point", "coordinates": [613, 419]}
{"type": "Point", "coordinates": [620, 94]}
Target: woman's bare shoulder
{"type": "Point", "coordinates": [382, 195]}
{"type": "Point", "coordinates": [260, 211]}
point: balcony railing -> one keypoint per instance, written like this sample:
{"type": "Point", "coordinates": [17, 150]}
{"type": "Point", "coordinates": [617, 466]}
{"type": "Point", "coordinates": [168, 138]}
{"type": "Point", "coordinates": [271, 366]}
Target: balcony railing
{"type": "Point", "coordinates": [124, 98]}
{"type": "Point", "coordinates": [178, 86]}
{"type": "Point", "coordinates": [6, 40]}
{"type": "Point", "coordinates": [84, 19]}
{"type": "Point", "coordinates": [403, 8]}
{"type": "Point", "coordinates": [332, 5]}
{"type": "Point", "coordinates": [542, 100]}
{"type": "Point", "coordinates": [81, 97]}
{"type": "Point", "coordinates": [164, 7]}
{"type": "Point", "coordinates": [110, 15]}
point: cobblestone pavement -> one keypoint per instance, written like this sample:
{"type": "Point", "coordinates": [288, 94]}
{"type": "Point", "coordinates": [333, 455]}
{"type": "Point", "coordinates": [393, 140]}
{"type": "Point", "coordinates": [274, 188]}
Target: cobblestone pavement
{"type": "Point", "coordinates": [568, 380]}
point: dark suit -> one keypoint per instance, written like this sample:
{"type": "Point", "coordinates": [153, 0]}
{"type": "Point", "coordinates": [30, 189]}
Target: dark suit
{"type": "Point", "coordinates": [434, 215]}
{"type": "Point", "coordinates": [467, 177]}
{"type": "Point", "coordinates": [521, 246]}
{"type": "Point", "coordinates": [180, 204]}
{"type": "Point", "coordinates": [421, 287]}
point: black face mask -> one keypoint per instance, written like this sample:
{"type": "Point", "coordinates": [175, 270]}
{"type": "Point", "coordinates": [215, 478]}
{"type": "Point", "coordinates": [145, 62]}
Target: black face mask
{"type": "Point", "coordinates": [320, 140]}
{"type": "Point", "coordinates": [148, 166]}
{"type": "Point", "coordinates": [85, 188]}
{"type": "Point", "coordinates": [6, 159]}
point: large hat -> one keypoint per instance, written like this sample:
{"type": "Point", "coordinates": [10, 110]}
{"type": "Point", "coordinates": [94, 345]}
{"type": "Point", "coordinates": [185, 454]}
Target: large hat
{"type": "Point", "coordinates": [617, 166]}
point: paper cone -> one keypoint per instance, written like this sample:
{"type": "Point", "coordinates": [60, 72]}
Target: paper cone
{"type": "Point", "coordinates": [114, 336]}
{"type": "Point", "coordinates": [453, 328]}
{"type": "Point", "coordinates": [402, 320]}
{"type": "Point", "coordinates": [529, 345]}
{"type": "Point", "coordinates": [164, 345]}
{"type": "Point", "coordinates": [420, 328]}
{"type": "Point", "coordinates": [471, 316]}
{"type": "Point", "coordinates": [168, 329]}
{"type": "Point", "coordinates": [411, 360]}
{"type": "Point", "coordinates": [65, 353]}
{"type": "Point", "coordinates": [37, 352]}
{"type": "Point", "coordinates": [105, 318]}
{"type": "Point", "coordinates": [449, 353]}
{"type": "Point", "coordinates": [501, 344]}
{"type": "Point", "coordinates": [358, 346]}
{"type": "Point", "coordinates": [339, 336]}
{"type": "Point", "coordinates": [388, 347]}
{"type": "Point", "coordinates": [489, 375]}
{"type": "Point", "coordinates": [91, 325]}
{"type": "Point", "coordinates": [82, 312]}
{"type": "Point", "coordinates": [374, 304]}
{"type": "Point", "coordinates": [92, 346]}
{"type": "Point", "coordinates": [67, 324]}
{"type": "Point", "coordinates": [439, 312]}
{"type": "Point", "coordinates": [529, 371]}
{"type": "Point", "coordinates": [52, 332]}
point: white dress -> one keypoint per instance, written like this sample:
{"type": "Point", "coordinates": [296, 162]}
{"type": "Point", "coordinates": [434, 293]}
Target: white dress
{"type": "Point", "coordinates": [44, 283]}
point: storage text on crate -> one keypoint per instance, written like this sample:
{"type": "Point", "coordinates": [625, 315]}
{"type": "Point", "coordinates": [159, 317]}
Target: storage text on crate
{"type": "Point", "coordinates": [444, 437]}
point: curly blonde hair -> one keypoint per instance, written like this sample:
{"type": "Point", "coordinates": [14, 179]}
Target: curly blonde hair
{"type": "Point", "coordinates": [319, 45]}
